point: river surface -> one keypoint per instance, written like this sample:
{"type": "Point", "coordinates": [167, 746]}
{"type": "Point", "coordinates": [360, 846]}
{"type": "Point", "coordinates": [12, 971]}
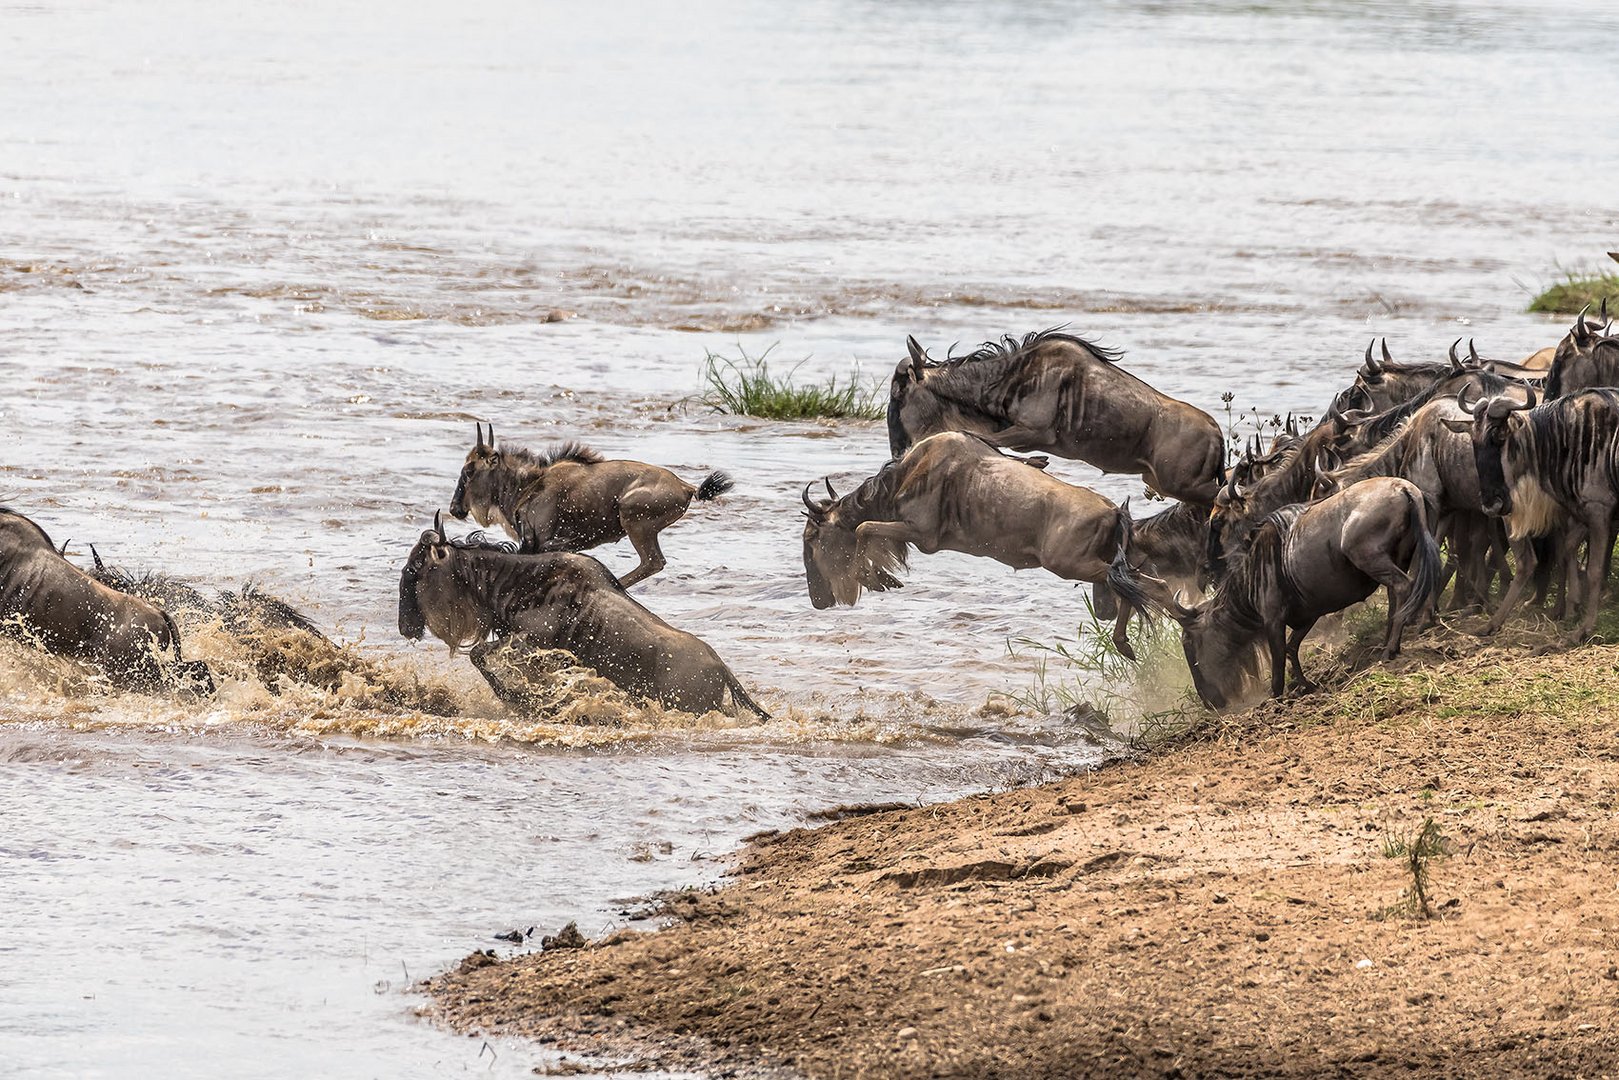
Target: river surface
{"type": "Point", "coordinates": [261, 266]}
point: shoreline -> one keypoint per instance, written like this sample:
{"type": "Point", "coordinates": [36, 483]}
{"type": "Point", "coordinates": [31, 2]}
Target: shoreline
{"type": "Point", "coordinates": [1236, 906]}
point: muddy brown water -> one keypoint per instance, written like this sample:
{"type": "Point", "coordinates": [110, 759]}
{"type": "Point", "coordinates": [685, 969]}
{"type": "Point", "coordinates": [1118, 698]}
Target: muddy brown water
{"type": "Point", "coordinates": [261, 269]}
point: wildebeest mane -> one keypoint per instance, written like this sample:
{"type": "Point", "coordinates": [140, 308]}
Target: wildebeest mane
{"type": "Point", "coordinates": [1010, 347]}
{"type": "Point", "coordinates": [571, 450]}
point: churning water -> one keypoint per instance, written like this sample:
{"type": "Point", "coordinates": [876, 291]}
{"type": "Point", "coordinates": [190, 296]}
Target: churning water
{"type": "Point", "coordinates": [261, 267]}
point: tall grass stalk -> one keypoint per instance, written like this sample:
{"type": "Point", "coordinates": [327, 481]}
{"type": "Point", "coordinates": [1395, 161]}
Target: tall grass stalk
{"type": "Point", "coordinates": [1150, 697]}
{"type": "Point", "coordinates": [745, 386]}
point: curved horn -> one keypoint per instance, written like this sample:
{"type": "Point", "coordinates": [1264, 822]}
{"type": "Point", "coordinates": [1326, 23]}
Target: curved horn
{"type": "Point", "coordinates": [96, 555]}
{"type": "Point", "coordinates": [1387, 359]}
{"type": "Point", "coordinates": [1580, 329]}
{"type": "Point", "coordinates": [1372, 366]}
{"type": "Point", "coordinates": [918, 355]}
{"type": "Point", "coordinates": [1462, 403]}
{"type": "Point", "coordinates": [1531, 402]}
{"type": "Point", "coordinates": [438, 525]}
{"type": "Point", "coordinates": [827, 480]}
{"type": "Point", "coordinates": [63, 550]}
{"type": "Point", "coordinates": [1179, 611]}
{"type": "Point", "coordinates": [1472, 354]}
{"type": "Point", "coordinates": [478, 443]}
{"type": "Point", "coordinates": [1455, 361]}
{"type": "Point", "coordinates": [1602, 310]}
{"type": "Point", "coordinates": [1291, 427]}
{"type": "Point", "coordinates": [815, 509]}
{"type": "Point", "coordinates": [491, 427]}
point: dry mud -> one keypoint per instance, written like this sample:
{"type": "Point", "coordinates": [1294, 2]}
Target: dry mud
{"type": "Point", "coordinates": [1225, 907]}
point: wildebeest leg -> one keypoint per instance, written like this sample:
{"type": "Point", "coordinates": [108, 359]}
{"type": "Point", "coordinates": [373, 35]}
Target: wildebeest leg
{"type": "Point", "coordinates": [1497, 531]}
{"type": "Point", "coordinates": [1276, 638]}
{"type": "Point", "coordinates": [1523, 553]}
{"type": "Point", "coordinates": [1301, 684]}
{"type": "Point", "coordinates": [480, 654]}
{"type": "Point", "coordinates": [1452, 537]}
{"type": "Point", "coordinates": [1598, 534]}
{"type": "Point", "coordinates": [1019, 437]}
{"type": "Point", "coordinates": [643, 521]}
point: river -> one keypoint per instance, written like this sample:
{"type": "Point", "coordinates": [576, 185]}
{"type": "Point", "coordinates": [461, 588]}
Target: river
{"type": "Point", "coordinates": [261, 267]}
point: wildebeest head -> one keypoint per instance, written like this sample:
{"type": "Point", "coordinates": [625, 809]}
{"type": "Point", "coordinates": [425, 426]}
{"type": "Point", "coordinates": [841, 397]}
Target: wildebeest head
{"type": "Point", "coordinates": [1494, 422]}
{"type": "Point", "coordinates": [1583, 334]}
{"type": "Point", "coordinates": [834, 567]}
{"type": "Point", "coordinates": [433, 596]}
{"type": "Point", "coordinates": [1221, 660]}
{"type": "Point", "coordinates": [476, 490]}
{"type": "Point", "coordinates": [905, 406]}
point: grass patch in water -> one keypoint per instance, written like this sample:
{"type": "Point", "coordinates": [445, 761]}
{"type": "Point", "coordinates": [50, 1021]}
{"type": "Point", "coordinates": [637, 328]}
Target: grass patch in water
{"type": "Point", "coordinates": [745, 386]}
{"type": "Point", "coordinates": [1579, 290]}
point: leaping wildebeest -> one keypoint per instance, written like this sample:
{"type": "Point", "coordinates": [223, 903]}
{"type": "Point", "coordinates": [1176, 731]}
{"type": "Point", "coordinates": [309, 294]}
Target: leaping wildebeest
{"type": "Point", "coordinates": [1058, 393]}
{"type": "Point", "coordinates": [1547, 467]}
{"type": "Point", "coordinates": [1301, 564]}
{"type": "Point", "coordinates": [956, 491]}
{"type": "Point", "coordinates": [572, 499]}
{"type": "Point", "coordinates": [47, 599]}
{"type": "Point", "coordinates": [466, 590]}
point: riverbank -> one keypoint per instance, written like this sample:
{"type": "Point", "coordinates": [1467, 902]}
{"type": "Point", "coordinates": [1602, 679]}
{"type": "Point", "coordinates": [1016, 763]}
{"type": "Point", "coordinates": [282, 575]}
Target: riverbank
{"type": "Point", "coordinates": [1237, 906]}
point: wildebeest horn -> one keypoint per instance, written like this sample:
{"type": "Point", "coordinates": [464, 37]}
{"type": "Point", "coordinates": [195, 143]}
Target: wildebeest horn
{"type": "Point", "coordinates": [815, 509]}
{"type": "Point", "coordinates": [1530, 403]}
{"type": "Point", "coordinates": [1456, 361]}
{"type": "Point", "coordinates": [62, 551]}
{"type": "Point", "coordinates": [438, 525]}
{"type": "Point", "coordinates": [1387, 359]}
{"type": "Point", "coordinates": [491, 427]}
{"type": "Point", "coordinates": [1291, 427]}
{"type": "Point", "coordinates": [96, 555]}
{"type": "Point", "coordinates": [1580, 329]}
{"type": "Point", "coordinates": [1602, 309]}
{"type": "Point", "coordinates": [1180, 612]}
{"type": "Point", "coordinates": [1372, 366]}
{"type": "Point", "coordinates": [918, 354]}
{"type": "Point", "coordinates": [827, 480]}
{"type": "Point", "coordinates": [478, 443]}
{"type": "Point", "coordinates": [1472, 354]}
{"type": "Point", "coordinates": [1462, 403]}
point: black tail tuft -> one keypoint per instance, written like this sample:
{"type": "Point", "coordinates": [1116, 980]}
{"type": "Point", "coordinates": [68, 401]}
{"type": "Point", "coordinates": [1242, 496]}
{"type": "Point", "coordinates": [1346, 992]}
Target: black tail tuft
{"type": "Point", "coordinates": [1426, 571]}
{"type": "Point", "coordinates": [740, 696]}
{"type": "Point", "coordinates": [714, 485]}
{"type": "Point", "coordinates": [1120, 578]}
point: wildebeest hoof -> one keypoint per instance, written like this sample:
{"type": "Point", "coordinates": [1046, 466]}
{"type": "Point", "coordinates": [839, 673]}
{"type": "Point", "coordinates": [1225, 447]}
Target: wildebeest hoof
{"type": "Point", "coordinates": [1123, 645]}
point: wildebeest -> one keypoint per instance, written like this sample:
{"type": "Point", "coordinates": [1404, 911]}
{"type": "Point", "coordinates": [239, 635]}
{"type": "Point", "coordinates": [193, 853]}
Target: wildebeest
{"type": "Point", "coordinates": [1056, 392]}
{"type": "Point", "coordinates": [236, 609]}
{"type": "Point", "coordinates": [956, 491]}
{"type": "Point", "coordinates": [1304, 563]}
{"type": "Point", "coordinates": [466, 590]}
{"type": "Point", "coordinates": [572, 499]}
{"type": "Point", "coordinates": [1550, 466]}
{"type": "Point", "coordinates": [1440, 462]}
{"type": "Point", "coordinates": [48, 600]}
{"type": "Point", "coordinates": [1586, 358]}
{"type": "Point", "coordinates": [1171, 545]}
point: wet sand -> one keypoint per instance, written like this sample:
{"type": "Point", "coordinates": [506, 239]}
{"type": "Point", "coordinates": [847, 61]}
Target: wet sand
{"type": "Point", "coordinates": [1224, 907]}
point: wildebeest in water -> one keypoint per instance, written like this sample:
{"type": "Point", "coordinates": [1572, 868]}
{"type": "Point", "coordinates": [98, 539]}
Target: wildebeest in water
{"type": "Point", "coordinates": [48, 600]}
{"type": "Point", "coordinates": [573, 499]}
{"type": "Point", "coordinates": [464, 591]}
{"type": "Point", "coordinates": [957, 492]}
{"type": "Point", "coordinates": [1058, 393]}
{"type": "Point", "coordinates": [1301, 564]}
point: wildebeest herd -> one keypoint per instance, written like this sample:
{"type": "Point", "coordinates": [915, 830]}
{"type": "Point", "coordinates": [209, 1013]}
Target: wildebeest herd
{"type": "Point", "coordinates": [1495, 475]}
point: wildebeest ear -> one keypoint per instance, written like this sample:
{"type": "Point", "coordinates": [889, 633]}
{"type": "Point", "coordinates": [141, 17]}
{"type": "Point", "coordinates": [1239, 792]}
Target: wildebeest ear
{"type": "Point", "coordinates": [919, 355]}
{"type": "Point", "coordinates": [1458, 426]}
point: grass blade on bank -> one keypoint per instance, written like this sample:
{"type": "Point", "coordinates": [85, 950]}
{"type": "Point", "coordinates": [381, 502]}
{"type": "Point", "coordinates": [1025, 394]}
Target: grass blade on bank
{"type": "Point", "coordinates": [745, 386]}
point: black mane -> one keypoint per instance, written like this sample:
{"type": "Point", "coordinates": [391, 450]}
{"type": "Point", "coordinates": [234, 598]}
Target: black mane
{"type": "Point", "coordinates": [572, 450]}
{"type": "Point", "coordinates": [1011, 347]}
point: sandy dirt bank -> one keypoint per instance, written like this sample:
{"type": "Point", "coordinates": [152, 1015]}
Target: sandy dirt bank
{"type": "Point", "coordinates": [1231, 907]}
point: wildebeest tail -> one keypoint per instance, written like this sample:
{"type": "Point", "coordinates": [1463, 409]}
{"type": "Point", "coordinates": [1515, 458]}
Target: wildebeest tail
{"type": "Point", "coordinates": [1427, 568]}
{"type": "Point", "coordinates": [1120, 578]}
{"type": "Point", "coordinates": [741, 697]}
{"type": "Point", "coordinates": [715, 484]}
{"type": "Point", "coordinates": [174, 633]}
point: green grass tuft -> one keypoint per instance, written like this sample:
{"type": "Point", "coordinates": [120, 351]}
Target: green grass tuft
{"type": "Point", "coordinates": [745, 386]}
{"type": "Point", "coordinates": [1152, 696]}
{"type": "Point", "coordinates": [1576, 291]}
